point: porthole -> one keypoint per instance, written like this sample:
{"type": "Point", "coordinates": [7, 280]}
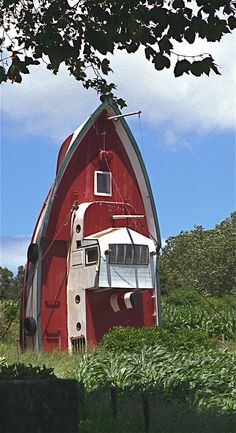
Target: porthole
{"type": "Point", "coordinates": [30, 326]}
{"type": "Point", "coordinates": [78, 326]}
{"type": "Point", "coordinates": [32, 253]}
{"type": "Point", "coordinates": [78, 228]}
{"type": "Point", "coordinates": [77, 299]}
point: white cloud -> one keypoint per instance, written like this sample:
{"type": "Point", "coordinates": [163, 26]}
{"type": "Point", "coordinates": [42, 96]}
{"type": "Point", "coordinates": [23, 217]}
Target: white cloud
{"type": "Point", "coordinates": [202, 103]}
{"type": "Point", "coordinates": [53, 106]}
{"type": "Point", "coordinates": [46, 105]}
{"type": "Point", "coordinates": [14, 251]}
{"type": "Point", "coordinates": [175, 141]}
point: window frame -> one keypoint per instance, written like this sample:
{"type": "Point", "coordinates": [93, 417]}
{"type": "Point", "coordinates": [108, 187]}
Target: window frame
{"type": "Point", "coordinates": [87, 263]}
{"type": "Point", "coordinates": [131, 257]}
{"type": "Point", "coordinates": [96, 192]}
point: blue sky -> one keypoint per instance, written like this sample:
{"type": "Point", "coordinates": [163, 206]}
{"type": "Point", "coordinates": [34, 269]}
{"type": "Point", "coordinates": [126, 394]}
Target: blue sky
{"type": "Point", "coordinates": [186, 135]}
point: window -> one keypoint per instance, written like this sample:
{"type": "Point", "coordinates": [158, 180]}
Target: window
{"type": "Point", "coordinates": [102, 183]}
{"type": "Point", "coordinates": [91, 256]}
{"type": "Point", "coordinates": [128, 254]}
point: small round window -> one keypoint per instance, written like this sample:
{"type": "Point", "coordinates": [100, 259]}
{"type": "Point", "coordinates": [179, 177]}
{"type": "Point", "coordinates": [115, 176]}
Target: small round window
{"type": "Point", "coordinates": [78, 326]}
{"type": "Point", "coordinates": [77, 299]}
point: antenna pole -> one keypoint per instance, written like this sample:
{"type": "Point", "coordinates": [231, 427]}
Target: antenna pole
{"type": "Point", "coordinates": [116, 117]}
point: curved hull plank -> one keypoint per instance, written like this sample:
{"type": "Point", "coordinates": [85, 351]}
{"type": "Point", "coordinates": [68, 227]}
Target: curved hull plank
{"type": "Point", "coordinates": [93, 259]}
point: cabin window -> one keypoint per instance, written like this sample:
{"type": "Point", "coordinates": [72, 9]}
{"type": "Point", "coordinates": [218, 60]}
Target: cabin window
{"type": "Point", "coordinates": [91, 256]}
{"type": "Point", "coordinates": [102, 183]}
{"type": "Point", "coordinates": [128, 254]}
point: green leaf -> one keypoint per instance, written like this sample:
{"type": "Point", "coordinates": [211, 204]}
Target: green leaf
{"type": "Point", "coordinates": [165, 45]}
{"type": "Point", "coordinates": [177, 4]}
{"type": "Point", "coordinates": [206, 65]}
{"type": "Point", "coordinates": [3, 75]}
{"type": "Point", "coordinates": [196, 68]}
{"type": "Point", "coordinates": [132, 47]}
{"type": "Point", "coordinates": [160, 61]}
{"type": "Point", "coordinates": [188, 12]}
{"type": "Point", "coordinates": [181, 67]}
{"type": "Point", "coordinates": [105, 66]}
{"type": "Point", "coordinates": [100, 41]}
{"type": "Point", "coordinates": [7, 3]}
{"type": "Point", "coordinates": [149, 52]}
{"type": "Point", "coordinates": [232, 22]}
{"type": "Point", "coordinates": [215, 68]}
{"type": "Point", "coordinates": [189, 35]}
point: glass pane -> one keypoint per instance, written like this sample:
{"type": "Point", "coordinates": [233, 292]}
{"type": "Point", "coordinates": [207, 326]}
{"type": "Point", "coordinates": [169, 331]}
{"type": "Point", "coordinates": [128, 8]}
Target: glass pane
{"type": "Point", "coordinates": [120, 254]}
{"type": "Point", "coordinates": [137, 254]}
{"type": "Point", "coordinates": [112, 254]}
{"type": "Point", "coordinates": [92, 255]}
{"type": "Point", "coordinates": [129, 254]}
{"type": "Point", "coordinates": [103, 183]}
{"type": "Point", "coordinates": [144, 254]}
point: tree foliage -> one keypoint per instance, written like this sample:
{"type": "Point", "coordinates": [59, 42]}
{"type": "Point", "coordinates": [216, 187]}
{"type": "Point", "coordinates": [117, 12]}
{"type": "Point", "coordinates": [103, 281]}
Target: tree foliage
{"type": "Point", "coordinates": [83, 34]}
{"type": "Point", "coordinates": [203, 258]}
{"type": "Point", "coordinates": [11, 286]}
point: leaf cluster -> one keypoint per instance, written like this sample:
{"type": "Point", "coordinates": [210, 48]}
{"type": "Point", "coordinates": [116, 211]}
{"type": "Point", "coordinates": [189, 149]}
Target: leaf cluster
{"type": "Point", "coordinates": [193, 317]}
{"type": "Point", "coordinates": [203, 259]}
{"type": "Point", "coordinates": [10, 286]}
{"type": "Point", "coordinates": [22, 371]}
{"type": "Point", "coordinates": [83, 36]}
{"type": "Point", "coordinates": [201, 378]}
{"type": "Point", "coordinates": [131, 340]}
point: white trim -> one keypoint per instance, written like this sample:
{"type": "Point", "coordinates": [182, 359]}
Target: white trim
{"type": "Point", "coordinates": [117, 217]}
{"type": "Point", "coordinates": [96, 186]}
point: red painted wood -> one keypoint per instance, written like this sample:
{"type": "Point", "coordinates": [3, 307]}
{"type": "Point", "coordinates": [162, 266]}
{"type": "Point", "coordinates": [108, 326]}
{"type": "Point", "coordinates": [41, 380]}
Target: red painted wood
{"type": "Point", "coordinates": [54, 299]}
{"type": "Point", "coordinates": [98, 217]}
{"type": "Point", "coordinates": [101, 317]}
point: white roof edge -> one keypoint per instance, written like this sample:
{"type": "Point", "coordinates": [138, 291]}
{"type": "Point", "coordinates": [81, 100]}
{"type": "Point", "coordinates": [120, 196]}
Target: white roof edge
{"type": "Point", "coordinates": [76, 133]}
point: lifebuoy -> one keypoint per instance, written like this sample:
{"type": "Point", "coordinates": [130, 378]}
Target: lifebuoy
{"type": "Point", "coordinates": [32, 253]}
{"type": "Point", "coordinates": [30, 326]}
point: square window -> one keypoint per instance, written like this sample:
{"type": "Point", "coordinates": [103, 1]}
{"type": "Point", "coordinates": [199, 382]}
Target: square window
{"type": "Point", "coordinates": [102, 183]}
{"type": "Point", "coordinates": [91, 256]}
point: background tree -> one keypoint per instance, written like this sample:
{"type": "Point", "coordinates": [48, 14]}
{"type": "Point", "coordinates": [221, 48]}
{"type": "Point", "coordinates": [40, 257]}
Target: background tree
{"type": "Point", "coordinates": [82, 34]}
{"type": "Point", "coordinates": [10, 286]}
{"type": "Point", "coordinates": [204, 257]}
{"type": "Point", "coordinates": [7, 287]}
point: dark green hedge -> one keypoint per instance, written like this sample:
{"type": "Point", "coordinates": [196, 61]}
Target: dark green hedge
{"type": "Point", "coordinates": [134, 339]}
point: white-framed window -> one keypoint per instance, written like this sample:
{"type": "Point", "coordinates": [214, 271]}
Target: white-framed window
{"type": "Point", "coordinates": [128, 254]}
{"type": "Point", "coordinates": [91, 256]}
{"type": "Point", "coordinates": [102, 183]}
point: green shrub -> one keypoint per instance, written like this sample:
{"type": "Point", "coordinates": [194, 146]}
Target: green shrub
{"type": "Point", "coordinates": [177, 317]}
{"type": "Point", "coordinates": [22, 371]}
{"type": "Point", "coordinates": [10, 309]}
{"type": "Point", "coordinates": [135, 339]}
{"type": "Point", "coordinates": [9, 312]}
{"type": "Point", "coordinates": [183, 297]}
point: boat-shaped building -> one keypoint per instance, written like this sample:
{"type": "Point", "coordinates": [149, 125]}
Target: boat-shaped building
{"type": "Point", "coordinates": [93, 259]}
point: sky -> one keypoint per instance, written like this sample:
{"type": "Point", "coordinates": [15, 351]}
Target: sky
{"type": "Point", "coordinates": [186, 134]}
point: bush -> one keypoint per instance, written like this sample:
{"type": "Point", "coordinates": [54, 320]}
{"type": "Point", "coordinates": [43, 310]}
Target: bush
{"type": "Point", "coordinates": [22, 371]}
{"type": "Point", "coordinates": [183, 297]}
{"type": "Point", "coordinates": [135, 339]}
{"type": "Point", "coordinates": [192, 317]}
{"type": "Point", "coordinates": [9, 312]}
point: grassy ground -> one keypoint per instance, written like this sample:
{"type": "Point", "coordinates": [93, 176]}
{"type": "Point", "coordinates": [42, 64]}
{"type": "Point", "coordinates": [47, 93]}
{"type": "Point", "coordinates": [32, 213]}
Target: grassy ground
{"type": "Point", "coordinates": [166, 415]}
